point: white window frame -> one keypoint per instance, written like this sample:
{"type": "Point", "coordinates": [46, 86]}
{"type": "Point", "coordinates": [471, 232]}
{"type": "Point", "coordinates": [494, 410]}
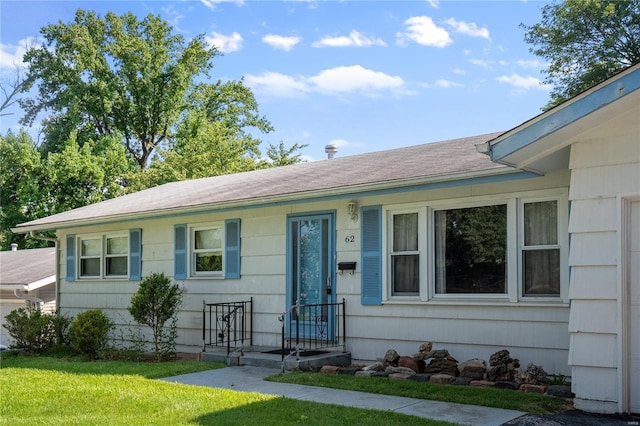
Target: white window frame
{"type": "Point", "coordinates": [562, 245]}
{"type": "Point", "coordinates": [193, 251]}
{"type": "Point", "coordinates": [510, 273]}
{"type": "Point", "coordinates": [102, 256]}
{"type": "Point", "coordinates": [515, 240]}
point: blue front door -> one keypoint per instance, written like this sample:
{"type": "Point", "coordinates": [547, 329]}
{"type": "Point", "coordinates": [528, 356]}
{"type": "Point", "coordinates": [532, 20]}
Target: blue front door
{"type": "Point", "coordinates": [310, 274]}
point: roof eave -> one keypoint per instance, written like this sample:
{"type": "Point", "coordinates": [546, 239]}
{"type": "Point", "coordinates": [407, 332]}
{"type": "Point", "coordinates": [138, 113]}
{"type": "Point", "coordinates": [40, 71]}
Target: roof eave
{"type": "Point", "coordinates": [344, 191]}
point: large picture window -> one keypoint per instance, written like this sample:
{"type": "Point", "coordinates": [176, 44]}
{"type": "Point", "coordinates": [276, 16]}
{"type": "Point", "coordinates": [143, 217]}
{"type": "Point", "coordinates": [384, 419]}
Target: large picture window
{"type": "Point", "coordinates": [471, 250]}
{"type": "Point", "coordinates": [509, 249]}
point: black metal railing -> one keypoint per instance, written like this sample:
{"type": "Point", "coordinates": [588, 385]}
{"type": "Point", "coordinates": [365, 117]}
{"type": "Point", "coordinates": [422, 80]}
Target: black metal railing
{"type": "Point", "coordinates": [227, 324]}
{"type": "Point", "coordinates": [307, 328]}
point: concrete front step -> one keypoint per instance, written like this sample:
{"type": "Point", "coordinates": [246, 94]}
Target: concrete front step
{"type": "Point", "coordinates": [260, 357]}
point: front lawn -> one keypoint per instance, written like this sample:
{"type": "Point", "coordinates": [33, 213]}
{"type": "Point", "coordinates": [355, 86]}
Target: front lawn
{"type": "Point", "coordinates": [487, 397]}
{"type": "Point", "coordinates": [52, 391]}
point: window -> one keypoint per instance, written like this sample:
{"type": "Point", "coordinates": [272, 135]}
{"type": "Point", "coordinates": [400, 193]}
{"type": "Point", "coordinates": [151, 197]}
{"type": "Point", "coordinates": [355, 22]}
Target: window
{"type": "Point", "coordinates": [207, 251]}
{"type": "Point", "coordinates": [512, 248]}
{"type": "Point", "coordinates": [540, 249]}
{"type": "Point", "coordinates": [104, 256]}
{"type": "Point", "coordinates": [405, 258]}
{"type": "Point", "coordinates": [471, 250]}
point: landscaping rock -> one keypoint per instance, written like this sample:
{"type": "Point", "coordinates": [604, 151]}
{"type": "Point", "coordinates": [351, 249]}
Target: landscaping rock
{"type": "Point", "coordinates": [443, 366]}
{"type": "Point", "coordinates": [425, 347]}
{"type": "Point", "coordinates": [461, 381]}
{"type": "Point", "coordinates": [506, 385]}
{"type": "Point", "coordinates": [444, 379]}
{"type": "Point", "coordinates": [347, 371]}
{"type": "Point", "coordinates": [391, 357]}
{"type": "Point", "coordinates": [560, 391]}
{"type": "Point", "coordinates": [527, 387]}
{"type": "Point", "coordinates": [409, 362]}
{"type": "Point", "coordinates": [365, 373]}
{"type": "Point", "coordinates": [534, 374]}
{"type": "Point", "coordinates": [402, 370]}
{"type": "Point", "coordinates": [400, 376]}
{"type": "Point", "coordinates": [502, 367]}
{"type": "Point", "coordinates": [378, 366]}
{"type": "Point", "coordinates": [380, 374]}
{"type": "Point", "coordinates": [329, 369]}
{"type": "Point", "coordinates": [474, 369]}
{"type": "Point", "coordinates": [421, 377]}
{"type": "Point", "coordinates": [437, 353]}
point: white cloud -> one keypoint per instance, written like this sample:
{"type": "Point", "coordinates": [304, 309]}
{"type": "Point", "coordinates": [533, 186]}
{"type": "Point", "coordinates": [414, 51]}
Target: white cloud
{"type": "Point", "coordinates": [211, 4]}
{"type": "Point", "coordinates": [354, 78]}
{"type": "Point", "coordinates": [458, 71]}
{"type": "Point", "coordinates": [281, 42]}
{"type": "Point", "coordinates": [434, 3]}
{"type": "Point", "coordinates": [354, 39]}
{"type": "Point", "coordinates": [225, 43]}
{"type": "Point", "coordinates": [468, 28]}
{"type": "Point", "coordinates": [277, 85]}
{"type": "Point", "coordinates": [334, 81]}
{"type": "Point", "coordinates": [479, 62]}
{"type": "Point", "coordinates": [521, 82]}
{"type": "Point", "coordinates": [11, 55]}
{"type": "Point", "coordinates": [533, 63]}
{"type": "Point", "coordinates": [422, 30]}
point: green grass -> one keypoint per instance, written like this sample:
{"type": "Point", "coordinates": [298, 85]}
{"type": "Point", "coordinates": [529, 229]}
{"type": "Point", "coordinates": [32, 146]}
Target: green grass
{"type": "Point", "coordinates": [51, 391]}
{"type": "Point", "coordinates": [487, 397]}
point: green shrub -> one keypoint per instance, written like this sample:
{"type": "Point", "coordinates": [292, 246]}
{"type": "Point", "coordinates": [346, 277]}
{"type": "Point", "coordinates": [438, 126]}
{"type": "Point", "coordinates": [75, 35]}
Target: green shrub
{"type": "Point", "coordinates": [36, 332]}
{"type": "Point", "coordinates": [89, 333]}
{"type": "Point", "coordinates": [156, 302]}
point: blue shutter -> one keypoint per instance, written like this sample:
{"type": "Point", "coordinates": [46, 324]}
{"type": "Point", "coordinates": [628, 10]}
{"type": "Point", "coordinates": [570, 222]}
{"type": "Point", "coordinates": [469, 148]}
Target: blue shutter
{"type": "Point", "coordinates": [232, 248]}
{"type": "Point", "coordinates": [71, 257]}
{"type": "Point", "coordinates": [180, 253]}
{"type": "Point", "coordinates": [135, 254]}
{"type": "Point", "coordinates": [371, 291]}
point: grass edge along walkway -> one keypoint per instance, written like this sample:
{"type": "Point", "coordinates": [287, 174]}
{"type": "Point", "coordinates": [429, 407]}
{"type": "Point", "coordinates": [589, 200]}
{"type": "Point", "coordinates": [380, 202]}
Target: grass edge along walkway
{"type": "Point", "coordinates": [486, 397]}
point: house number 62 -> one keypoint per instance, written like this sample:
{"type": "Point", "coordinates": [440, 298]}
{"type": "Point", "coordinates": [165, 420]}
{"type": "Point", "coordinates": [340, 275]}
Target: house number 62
{"type": "Point", "coordinates": [350, 239]}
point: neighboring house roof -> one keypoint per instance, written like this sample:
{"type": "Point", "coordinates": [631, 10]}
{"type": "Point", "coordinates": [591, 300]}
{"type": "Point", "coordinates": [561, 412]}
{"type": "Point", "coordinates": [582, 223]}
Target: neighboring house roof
{"type": "Point", "coordinates": [542, 144]}
{"type": "Point", "coordinates": [426, 164]}
{"type": "Point", "coordinates": [27, 269]}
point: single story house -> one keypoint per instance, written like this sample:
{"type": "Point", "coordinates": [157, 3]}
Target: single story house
{"type": "Point", "coordinates": [526, 240]}
{"type": "Point", "coordinates": [27, 279]}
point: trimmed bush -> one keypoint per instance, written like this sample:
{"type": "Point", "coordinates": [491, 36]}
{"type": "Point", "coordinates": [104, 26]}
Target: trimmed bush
{"type": "Point", "coordinates": [157, 301]}
{"type": "Point", "coordinates": [36, 332]}
{"type": "Point", "coordinates": [89, 333]}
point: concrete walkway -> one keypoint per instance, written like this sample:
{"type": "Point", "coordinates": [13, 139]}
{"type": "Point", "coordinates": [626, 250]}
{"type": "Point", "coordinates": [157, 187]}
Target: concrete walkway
{"type": "Point", "coordinates": [251, 379]}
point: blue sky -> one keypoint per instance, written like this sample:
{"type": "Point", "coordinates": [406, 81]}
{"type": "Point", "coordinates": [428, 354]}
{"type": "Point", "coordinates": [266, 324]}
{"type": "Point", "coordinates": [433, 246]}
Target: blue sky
{"type": "Point", "coordinates": [365, 75]}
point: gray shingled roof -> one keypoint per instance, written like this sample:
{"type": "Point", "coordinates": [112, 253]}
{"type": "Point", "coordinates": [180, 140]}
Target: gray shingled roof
{"type": "Point", "coordinates": [448, 160]}
{"type": "Point", "coordinates": [23, 267]}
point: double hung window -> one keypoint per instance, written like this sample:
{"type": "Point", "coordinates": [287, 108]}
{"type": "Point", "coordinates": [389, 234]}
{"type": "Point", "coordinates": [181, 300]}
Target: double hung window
{"type": "Point", "coordinates": [104, 256]}
{"type": "Point", "coordinates": [540, 249]}
{"type": "Point", "coordinates": [206, 250]}
{"type": "Point", "coordinates": [405, 257]}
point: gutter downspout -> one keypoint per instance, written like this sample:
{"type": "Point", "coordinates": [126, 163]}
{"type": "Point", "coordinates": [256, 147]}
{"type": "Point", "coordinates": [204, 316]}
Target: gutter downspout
{"type": "Point", "coordinates": [56, 242]}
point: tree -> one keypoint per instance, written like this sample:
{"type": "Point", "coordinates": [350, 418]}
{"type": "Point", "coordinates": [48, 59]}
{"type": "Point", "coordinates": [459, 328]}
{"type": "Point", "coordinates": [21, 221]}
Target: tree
{"type": "Point", "coordinates": [33, 187]}
{"type": "Point", "coordinates": [157, 301]}
{"type": "Point", "coordinates": [20, 176]}
{"type": "Point", "coordinates": [283, 156]}
{"type": "Point", "coordinates": [11, 88]}
{"type": "Point", "coordinates": [115, 76]}
{"type": "Point", "coordinates": [585, 42]}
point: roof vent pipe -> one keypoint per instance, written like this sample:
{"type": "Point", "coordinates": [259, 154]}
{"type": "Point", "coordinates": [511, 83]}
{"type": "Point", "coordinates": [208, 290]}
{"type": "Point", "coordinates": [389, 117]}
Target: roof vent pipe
{"type": "Point", "coordinates": [331, 150]}
{"type": "Point", "coordinates": [14, 246]}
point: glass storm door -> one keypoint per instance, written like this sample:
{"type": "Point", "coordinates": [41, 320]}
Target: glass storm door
{"type": "Point", "coordinates": [310, 274]}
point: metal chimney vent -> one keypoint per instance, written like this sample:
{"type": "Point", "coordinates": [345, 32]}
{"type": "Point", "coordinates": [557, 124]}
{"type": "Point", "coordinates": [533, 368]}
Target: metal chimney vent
{"type": "Point", "coordinates": [331, 150]}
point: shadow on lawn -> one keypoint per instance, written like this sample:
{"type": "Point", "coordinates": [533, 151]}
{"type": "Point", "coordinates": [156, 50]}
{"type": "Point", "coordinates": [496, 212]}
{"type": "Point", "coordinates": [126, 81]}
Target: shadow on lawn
{"type": "Point", "coordinates": [286, 411]}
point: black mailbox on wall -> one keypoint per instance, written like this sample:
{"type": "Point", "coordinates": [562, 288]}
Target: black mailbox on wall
{"type": "Point", "coordinates": [347, 266]}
